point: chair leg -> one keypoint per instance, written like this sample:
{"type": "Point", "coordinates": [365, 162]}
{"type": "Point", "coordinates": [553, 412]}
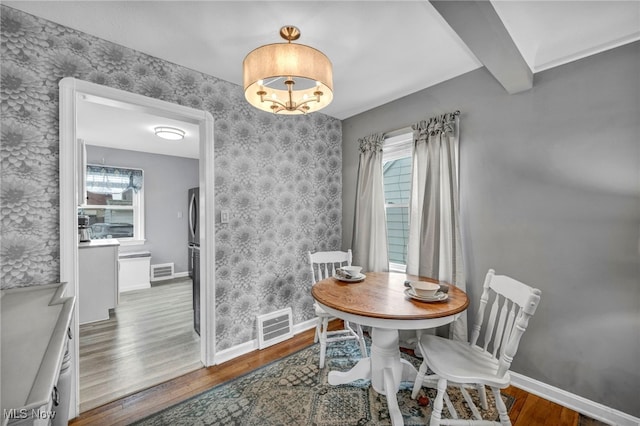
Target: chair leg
{"type": "Point", "coordinates": [363, 346]}
{"type": "Point", "coordinates": [323, 340]}
{"type": "Point", "coordinates": [419, 380]}
{"type": "Point", "coordinates": [323, 351]}
{"type": "Point", "coordinates": [470, 403]}
{"type": "Point", "coordinates": [482, 395]}
{"type": "Point", "coordinates": [317, 336]}
{"type": "Point", "coordinates": [502, 409]}
{"type": "Point", "coordinates": [450, 407]}
{"type": "Point", "coordinates": [436, 413]}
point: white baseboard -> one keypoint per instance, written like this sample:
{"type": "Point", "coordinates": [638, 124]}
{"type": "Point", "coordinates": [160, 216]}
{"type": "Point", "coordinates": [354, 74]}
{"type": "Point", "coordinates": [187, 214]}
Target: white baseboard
{"type": "Point", "coordinates": [575, 402]}
{"type": "Point", "coordinates": [180, 274]}
{"type": "Point", "coordinates": [252, 345]}
{"type": "Point", "coordinates": [304, 326]}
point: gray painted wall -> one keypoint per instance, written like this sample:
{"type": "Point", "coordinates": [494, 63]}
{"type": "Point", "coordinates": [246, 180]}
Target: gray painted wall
{"type": "Point", "coordinates": [550, 194]}
{"type": "Point", "coordinates": [166, 182]}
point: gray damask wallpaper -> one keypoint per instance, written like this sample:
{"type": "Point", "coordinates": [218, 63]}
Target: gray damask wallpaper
{"type": "Point", "coordinates": [280, 177]}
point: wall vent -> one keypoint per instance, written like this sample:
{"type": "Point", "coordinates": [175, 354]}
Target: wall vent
{"type": "Point", "coordinates": [274, 327]}
{"type": "Point", "coordinates": [161, 271]}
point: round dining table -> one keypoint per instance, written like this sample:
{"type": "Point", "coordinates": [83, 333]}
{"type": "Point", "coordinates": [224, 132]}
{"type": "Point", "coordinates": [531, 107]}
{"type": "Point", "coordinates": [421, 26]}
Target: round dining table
{"type": "Point", "coordinates": [382, 301]}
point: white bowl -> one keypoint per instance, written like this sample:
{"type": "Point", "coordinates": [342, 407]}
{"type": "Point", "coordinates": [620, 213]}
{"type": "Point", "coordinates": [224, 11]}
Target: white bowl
{"type": "Point", "coordinates": [424, 289]}
{"type": "Point", "coordinates": [352, 270]}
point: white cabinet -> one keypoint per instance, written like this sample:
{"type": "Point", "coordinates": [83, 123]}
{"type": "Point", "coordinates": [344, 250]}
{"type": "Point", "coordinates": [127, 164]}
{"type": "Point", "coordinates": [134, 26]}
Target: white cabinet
{"type": "Point", "coordinates": [36, 365]}
{"type": "Point", "coordinates": [98, 279]}
{"type": "Point", "coordinates": [134, 271]}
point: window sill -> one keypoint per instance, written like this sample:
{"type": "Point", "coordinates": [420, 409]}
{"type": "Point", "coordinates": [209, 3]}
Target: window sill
{"type": "Point", "coordinates": [131, 242]}
{"type": "Point", "coordinates": [397, 267]}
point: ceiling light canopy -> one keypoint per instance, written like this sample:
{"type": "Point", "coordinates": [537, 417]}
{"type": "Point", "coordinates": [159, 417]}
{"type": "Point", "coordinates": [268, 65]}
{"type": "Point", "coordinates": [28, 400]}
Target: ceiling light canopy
{"type": "Point", "coordinates": [170, 133]}
{"type": "Point", "coordinates": [288, 78]}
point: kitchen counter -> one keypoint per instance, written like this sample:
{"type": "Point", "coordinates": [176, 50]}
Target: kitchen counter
{"type": "Point", "coordinates": [35, 323]}
{"type": "Point", "coordinates": [100, 243]}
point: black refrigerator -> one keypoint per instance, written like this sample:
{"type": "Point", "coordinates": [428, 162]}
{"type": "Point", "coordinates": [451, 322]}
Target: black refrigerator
{"type": "Point", "coordinates": [194, 253]}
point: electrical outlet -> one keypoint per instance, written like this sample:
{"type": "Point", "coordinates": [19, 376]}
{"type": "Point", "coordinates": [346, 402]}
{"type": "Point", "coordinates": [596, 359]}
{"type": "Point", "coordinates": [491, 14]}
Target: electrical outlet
{"type": "Point", "coordinates": [224, 216]}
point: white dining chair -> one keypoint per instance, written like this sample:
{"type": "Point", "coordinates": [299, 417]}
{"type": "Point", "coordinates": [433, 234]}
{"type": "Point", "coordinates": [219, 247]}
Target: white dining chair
{"type": "Point", "coordinates": [323, 265]}
{"type": "Point", "coordinates": [475, 364]}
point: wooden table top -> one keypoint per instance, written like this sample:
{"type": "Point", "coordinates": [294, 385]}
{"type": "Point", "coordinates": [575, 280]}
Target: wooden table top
{"type": "Point", "coordinates": [381, 295]}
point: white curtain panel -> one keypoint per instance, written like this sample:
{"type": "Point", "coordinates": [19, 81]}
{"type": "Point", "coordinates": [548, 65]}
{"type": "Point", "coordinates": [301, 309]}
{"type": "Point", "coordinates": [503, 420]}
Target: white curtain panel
{"type": "Point", "coordinates": [434, 247]}
{"type": "Point", "coordinates": [369, 243]}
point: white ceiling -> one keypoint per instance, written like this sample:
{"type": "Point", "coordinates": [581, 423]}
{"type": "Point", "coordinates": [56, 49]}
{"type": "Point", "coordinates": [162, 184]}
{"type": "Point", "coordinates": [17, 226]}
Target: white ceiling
{"type": "Point", "coordinates": [551, 32]}
{"type": "Point", "coordinates": [381, 50]}
{"type": "Point", "coordinates": [132, 129]}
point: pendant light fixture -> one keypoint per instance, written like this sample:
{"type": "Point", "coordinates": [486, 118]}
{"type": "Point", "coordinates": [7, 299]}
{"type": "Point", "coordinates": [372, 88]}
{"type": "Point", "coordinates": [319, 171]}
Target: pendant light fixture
{"type": "Point", "coordinates": [288, 78]}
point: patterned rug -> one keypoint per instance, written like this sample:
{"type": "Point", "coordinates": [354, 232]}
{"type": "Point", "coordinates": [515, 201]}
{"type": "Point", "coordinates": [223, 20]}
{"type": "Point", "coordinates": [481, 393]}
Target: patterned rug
{"type": "Point", "coordinates": [587, 421]}
{"type": "Point", "coordinates": [294, 391]}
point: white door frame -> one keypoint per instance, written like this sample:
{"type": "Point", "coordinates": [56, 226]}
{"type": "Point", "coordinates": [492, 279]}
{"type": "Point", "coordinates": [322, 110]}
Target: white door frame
{"type": "Point", "coordinates": [70, 90]}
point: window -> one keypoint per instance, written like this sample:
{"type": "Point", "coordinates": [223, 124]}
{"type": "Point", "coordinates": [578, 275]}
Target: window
{"type": "Point", "coordinates": [396, 163]}
{"type": "Point", "coordinates": [115, 203]}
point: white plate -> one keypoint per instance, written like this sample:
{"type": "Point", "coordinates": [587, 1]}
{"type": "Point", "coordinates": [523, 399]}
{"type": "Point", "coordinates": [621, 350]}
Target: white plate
{"type": "Point", "coordinates": [356, 279]}
{"type": "Point", "coordinates": [438, 297]}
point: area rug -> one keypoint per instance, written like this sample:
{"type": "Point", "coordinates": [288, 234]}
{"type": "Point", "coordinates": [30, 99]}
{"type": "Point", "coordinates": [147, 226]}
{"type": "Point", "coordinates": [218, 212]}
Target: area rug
{"type": "Point", "coordinates": [294, 391]}
{"type": "Point", "coordinates": [588, 421]}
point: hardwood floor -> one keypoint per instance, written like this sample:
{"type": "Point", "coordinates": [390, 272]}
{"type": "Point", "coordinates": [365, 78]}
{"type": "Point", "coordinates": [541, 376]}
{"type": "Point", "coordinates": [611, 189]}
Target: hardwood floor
{"type": "Point", "coordinates": [147, 340]}
{"type": "Point", "coordinates": [528, 410]}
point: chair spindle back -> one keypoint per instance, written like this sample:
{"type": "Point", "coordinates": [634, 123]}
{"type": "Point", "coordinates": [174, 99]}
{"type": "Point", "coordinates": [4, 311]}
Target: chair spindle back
{"type": "Point", "coordinates": [324, 263]}
{"type": "Point", "coordinates": [513, 304]}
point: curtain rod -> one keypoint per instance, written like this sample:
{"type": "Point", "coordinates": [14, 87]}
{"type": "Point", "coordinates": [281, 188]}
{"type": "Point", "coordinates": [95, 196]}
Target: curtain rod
{"type": "Point", "coordinates": [408, 129]}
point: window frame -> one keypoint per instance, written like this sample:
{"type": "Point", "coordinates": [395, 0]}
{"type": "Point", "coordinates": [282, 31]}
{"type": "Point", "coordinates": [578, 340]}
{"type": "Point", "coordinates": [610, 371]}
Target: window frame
{"type": "Point", "coordinates": [137, 207]}
{"type": "Point", "coordinates": [397, 145]}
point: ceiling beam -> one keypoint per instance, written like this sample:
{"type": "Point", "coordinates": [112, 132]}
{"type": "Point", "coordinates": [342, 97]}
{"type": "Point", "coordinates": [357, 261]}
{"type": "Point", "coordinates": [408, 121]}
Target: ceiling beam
{"type": "Point", "coordinates": [481, 29]}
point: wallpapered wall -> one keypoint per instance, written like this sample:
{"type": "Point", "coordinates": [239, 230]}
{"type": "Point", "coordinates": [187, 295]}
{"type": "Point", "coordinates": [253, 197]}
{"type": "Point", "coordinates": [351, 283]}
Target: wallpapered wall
{"type": "Point", "coordinates": [280, 177]}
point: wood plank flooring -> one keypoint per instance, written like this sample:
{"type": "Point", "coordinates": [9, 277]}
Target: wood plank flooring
{"type": "Point", "coordinates": [147, 340]}
{"type": "Point", "coordinates": [529, 410]}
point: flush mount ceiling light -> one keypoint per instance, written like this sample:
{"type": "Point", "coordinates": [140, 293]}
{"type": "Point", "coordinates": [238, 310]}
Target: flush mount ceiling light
{"type": "Point", "coordinates": [170, 133]}
{"type": "Point", "coordinates": [288, 78]}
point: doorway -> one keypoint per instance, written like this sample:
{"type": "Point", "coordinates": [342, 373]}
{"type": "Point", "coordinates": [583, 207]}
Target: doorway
{"type": "Point", "coordinates": [71, 92]}
{"type": "Point", "coordinates": [149, 335]}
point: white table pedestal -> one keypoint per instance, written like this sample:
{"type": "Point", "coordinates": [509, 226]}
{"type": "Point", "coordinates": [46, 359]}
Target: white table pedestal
{"type": "Point", "coordinates": [385, 368]}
